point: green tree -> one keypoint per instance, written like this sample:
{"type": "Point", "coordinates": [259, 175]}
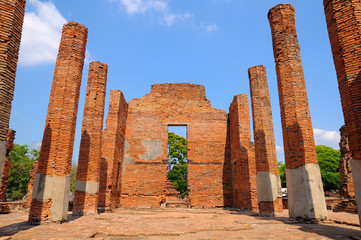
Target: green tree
{"type": "Point", "coordinates": [22, 159]}
{"type": "Point", "coordinates": [177, 162]}
{"type": "Point", "coordinates": [328, 159]}
{"type": "Point", "coordinates": [73, 172]}
{"type": "Point", "coordinates": [282, 172]}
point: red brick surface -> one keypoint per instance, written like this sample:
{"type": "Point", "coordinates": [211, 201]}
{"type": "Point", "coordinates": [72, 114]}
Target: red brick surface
{"type": "Point", "coordinates": [346, 188]}
{"type": "Point", "coordinates": [58, 140]}
{"type": "Point", "coordinates": [11, 24]}
{"type": "Point", "coordinates": [242, 155]}
{"type": "Point", "coordinates": [264, 140]}
{"type": "Point", "coordinates": [343, 19]}
{"type": "Point", "coordinates": [297, 129]}
{"type": "Point", "coordinates": [144, 175]}
{"type": "Point", "coordinates": [91, 139]}
{"type": "Point", "coordinates": [10, 137]}
{"type": "Point", "coordinates": [31, 184]}
{"type": "Point", "coordinates": [112, 152]}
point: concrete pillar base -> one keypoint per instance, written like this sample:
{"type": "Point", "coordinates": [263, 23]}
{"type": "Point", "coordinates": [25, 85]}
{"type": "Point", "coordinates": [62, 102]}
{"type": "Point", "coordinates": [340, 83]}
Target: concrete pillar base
{"type": "Point", "coordinates": [56, 189]}
{"type": "Point", "coordinates": [306, 198]}
{"type": "Point", "coordinates": [356, 175]}
{"type": "Point", "coordinates": [269, 192]}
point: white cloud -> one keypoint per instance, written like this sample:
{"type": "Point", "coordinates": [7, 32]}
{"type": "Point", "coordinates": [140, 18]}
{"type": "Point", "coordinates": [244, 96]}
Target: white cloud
{"type": "Point", "coordinates": [41, 34]}
{"type": "Point", "coordinates": [328, 138]}
{"type": "Point", "coordinates": [279, 148]}
{"type": "Point", "coordinates": [142, 6]}
{"type": "Point", "coordinates": [211, 28]}
{"type": "Point", "coordinates": [168, 17]}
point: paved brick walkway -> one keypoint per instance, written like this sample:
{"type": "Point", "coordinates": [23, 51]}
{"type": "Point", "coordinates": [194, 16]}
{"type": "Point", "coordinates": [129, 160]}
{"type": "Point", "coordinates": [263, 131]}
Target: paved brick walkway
{"type": "Point", "coordinates": [179, 224]}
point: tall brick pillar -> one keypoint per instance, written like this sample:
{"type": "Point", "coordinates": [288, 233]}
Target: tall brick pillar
{"type": "Point", "coordinates": [52, 181]}
{"type": "Point", "coordinates": [242, 155]}
{"type": "Point", "coordinates": [269, 192]}
{"type": "Point", "coordinates": [344, 28]}
{"type": "Point", "coordinates": [11, 25]}
{"type": "Point", "coordinates": [87, 178]}
{"type": "Point", "coordinates": [112, 152]}
{"type": "Point", "coordinates": [305, 192]}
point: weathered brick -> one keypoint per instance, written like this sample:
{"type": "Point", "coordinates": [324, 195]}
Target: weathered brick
{"type": "Point", "coordinates": [268, 179]}
{"type": "Point", "coordinates": [11, 24]}
{"type": "Point", "coordinates": [346, 188]}
{"type": "Point", "coordinates": [144, 168]}
{"type": "Point", "coordinates": [88, 172]}
{"type": "Point", "coordinates": [344, 28]}
{"type": "Point", "coordinates": [305, 191]}
{"type": "Point", "coordinates": [243, 162]}
{"type": "Point", "coordinates": [10, 137]}
{"type": "Point", "coordinates": [54, 166]}
{"type": "Point", "coordinates": [112, 152]}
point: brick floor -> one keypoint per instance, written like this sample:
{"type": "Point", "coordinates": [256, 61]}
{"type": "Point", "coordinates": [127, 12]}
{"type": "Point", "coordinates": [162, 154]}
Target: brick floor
{"type": "Point", "coordinates": [179, 224]}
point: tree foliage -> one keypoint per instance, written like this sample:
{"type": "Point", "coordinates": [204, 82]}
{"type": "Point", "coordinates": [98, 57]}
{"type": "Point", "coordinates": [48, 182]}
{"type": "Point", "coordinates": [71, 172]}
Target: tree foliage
{"type": "Point", "coordinates": [177, 162]}
{"type": "Point", "coordinates": [22, 159]}
{"type": "Point", "coordinates": [328, 159]}
{"type": "Point", "coordinates": [282, 172]}
{"type": "Point", "coordinates": [73, 172]}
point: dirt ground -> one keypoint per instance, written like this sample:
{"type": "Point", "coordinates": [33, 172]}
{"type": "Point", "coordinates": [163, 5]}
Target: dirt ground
{"type": "Point", "coordinates": [181, 223]}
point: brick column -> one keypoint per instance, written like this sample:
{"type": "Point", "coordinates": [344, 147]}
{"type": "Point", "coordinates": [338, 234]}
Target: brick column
{"type": "Point", "coordinates": [269, 192]}
{"type": "Point", "coordinates": [52, 181]}
{"type": "Point", "coordinates": [11, 25]}
{"type": "Point", "coordinates": [112, 152]}
{"type": "Point", "coordinates": [305, 192]}
{"type": "Point", "coordinates": [10, 137]}
{"type": "Point", "coordinates": [242, 155]}
{"type": "Point", "coordinates": [344, 28]}
{"type": "Point", "coordinates": [87, 177]}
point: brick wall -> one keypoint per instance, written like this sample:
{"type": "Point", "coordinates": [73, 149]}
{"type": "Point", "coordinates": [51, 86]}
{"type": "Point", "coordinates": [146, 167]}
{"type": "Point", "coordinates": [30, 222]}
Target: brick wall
{"type": "Point", "coordinates": [58, 140]}
{"type": "Point", "coordinates": [11, 24]}
{"type": "Point", "coordinates": [242, 155]}
{"type": "Point", "coordinates": [86, 202]}
{"type": "Point", "coordinates": [144, 166]}
{"type": "Point", "coordinates": [112, 152]}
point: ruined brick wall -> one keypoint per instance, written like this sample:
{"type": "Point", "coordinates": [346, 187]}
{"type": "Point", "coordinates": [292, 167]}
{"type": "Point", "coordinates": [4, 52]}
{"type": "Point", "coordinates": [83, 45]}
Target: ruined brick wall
{"type": "Point", "coordinates": [55, 159]}
{"type": "Point", "coordinates": [346, 185]}
{"type": "Point", "coordinates": [304, 185]}
{"type": "Point", "coordinates": [344, 28]}
{"type": "Point", "coordinates": [11, 24]}
{"type": "Point", "coordinates": [112, 152]}
{"type": "Point", "coordinates": [144, 167]}
{"type": "Point", "coordinates": [10, 137]}
{"type": "Point", "coordinates": [87, 178]}
{"type": "Point", "coordinates": [268, 179]}
{"type": "Point", "coordinates": [242, 155]}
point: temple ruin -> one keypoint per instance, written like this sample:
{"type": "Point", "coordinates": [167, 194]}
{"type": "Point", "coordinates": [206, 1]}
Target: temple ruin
{"type": "Point", "coordinates": [125, 163]}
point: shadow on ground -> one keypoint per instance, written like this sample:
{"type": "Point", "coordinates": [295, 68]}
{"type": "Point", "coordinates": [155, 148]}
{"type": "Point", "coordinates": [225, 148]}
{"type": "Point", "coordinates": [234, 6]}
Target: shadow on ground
{"type": "Point", "coordinates": [326, 229]}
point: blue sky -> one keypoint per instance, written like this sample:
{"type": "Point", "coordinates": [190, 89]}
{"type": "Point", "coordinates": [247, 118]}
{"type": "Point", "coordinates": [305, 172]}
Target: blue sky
{"type": "Point", "coordinates": [212, 43]}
